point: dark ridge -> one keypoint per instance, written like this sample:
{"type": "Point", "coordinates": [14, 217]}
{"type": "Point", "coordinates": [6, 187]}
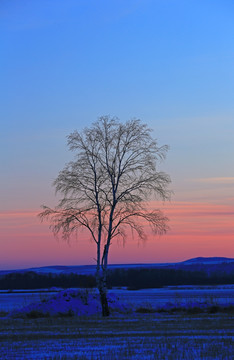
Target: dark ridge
{"type": "Point", "coordinates": [210, 260]}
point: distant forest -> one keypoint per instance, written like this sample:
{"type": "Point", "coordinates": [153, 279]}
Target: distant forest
{"type": "Point", "coordinates": [133, 279]}
{"type": "Point", "coordinates": [33, 280]}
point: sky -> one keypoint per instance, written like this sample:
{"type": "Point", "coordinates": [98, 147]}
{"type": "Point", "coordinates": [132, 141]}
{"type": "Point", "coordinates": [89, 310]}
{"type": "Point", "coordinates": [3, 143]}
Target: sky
{"type": "Point", "coordinates": [169, 63]}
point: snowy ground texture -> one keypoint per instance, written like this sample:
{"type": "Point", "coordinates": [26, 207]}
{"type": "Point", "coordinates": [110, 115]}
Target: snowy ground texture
{"type": "Point", "coordinates": [119, 337]}
{"type": "Point", "coordinates": [68, 325]}
{"type": "Point", "coordinates": [85, 302]}
{"type": "Point", "coordinates": [70, 303]}
{"type": "Point", "coordinates": [156, 298]}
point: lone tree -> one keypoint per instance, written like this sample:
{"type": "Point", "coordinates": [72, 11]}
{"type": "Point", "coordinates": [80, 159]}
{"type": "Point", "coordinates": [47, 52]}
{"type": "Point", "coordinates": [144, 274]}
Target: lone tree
{"type": "Point", "coordinates": [107, 186]}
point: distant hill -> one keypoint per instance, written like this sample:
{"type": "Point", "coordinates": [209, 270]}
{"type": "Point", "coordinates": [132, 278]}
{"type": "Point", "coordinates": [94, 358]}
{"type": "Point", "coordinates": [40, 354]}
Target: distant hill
{"type": "Point", "coordinates": [207, 260]}
{"type": "Point", "coordinates": [90, 269]}
{"type": "Point", "coordinates": [81, 269]}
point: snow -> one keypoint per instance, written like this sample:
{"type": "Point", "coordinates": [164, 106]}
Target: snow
{"type": "Point", "coordinates": [70, 303]}
{"type": "Point", "coordinates": [169, 297]}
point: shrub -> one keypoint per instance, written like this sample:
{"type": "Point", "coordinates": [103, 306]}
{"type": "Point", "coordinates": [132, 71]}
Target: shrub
{"type": "Point", "coordinates": [3, 313]}
{"type": "Point", "coordinates": [194, 310]}
{"type": "Point", "coordinates": [229, 309]}
{"type": "Point", "coordinates": [213, 309]}
{"type": "Point", "coordinates": [143, 310]}
{"type": "Point", "coordinates": [69, 313]}
{"type": "Point", "coordinates": [35, 314]}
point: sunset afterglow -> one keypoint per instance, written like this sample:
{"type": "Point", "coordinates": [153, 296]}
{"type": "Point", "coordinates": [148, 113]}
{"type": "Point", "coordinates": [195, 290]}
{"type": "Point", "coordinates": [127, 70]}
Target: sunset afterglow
{"type": "Point", "coordinates": [196, 229]}
{"type": "Point", "coordinates": [167, 63]}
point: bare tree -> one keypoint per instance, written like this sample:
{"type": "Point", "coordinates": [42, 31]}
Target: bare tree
{"type": "Point", "coordinates": [107, 186]}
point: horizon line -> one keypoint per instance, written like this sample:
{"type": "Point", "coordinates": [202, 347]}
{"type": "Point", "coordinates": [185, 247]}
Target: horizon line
{"type": "Point", "coordinates": [114, 264]}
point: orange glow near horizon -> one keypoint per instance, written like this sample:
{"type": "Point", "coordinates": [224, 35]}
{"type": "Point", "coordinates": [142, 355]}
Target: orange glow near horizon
{"type": "Point", "coordinates": [196, 229]}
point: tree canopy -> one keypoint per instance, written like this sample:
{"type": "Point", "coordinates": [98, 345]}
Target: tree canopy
{"type": "Point", "coordinates": [106, 188]}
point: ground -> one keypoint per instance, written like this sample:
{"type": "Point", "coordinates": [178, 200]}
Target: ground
{"type": "Point", "coordinates": [123, 336]}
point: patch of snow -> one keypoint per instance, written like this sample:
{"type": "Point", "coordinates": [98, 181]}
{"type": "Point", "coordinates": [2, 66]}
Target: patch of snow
{"type": "Point", "coordinates": [71, 302]}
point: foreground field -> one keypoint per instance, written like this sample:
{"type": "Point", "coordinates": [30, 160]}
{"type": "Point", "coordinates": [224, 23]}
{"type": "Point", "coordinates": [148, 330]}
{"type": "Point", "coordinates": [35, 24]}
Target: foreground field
{"type": "Point", "coordinates": [131, 336]}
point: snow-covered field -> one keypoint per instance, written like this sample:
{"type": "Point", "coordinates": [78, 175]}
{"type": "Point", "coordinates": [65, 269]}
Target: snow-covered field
{"type": "Point", "coordinates": [120, 337]}
{"type": "Point", "coordinates": [223, 295]}
{"type": "Point", "coordinates": [178, 295]}
{"type": "Point", "coordinates": [14, 299]}
{"type": "Point", "coordinates": [126, 334]}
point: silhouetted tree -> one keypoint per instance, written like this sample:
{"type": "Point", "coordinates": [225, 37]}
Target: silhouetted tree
{"type": "Point", "coordinates": [107, 186]}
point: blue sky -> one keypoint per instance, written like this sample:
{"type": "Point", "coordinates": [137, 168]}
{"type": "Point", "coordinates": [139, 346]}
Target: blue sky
{"type": "Point", "coordinates": [167, 62]}
{"type": "Point", "coordinates": [63, 64]}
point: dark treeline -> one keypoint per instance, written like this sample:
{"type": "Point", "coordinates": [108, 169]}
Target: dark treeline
{"type": "Point", "coordinates": [153, 278]}
{"type": "Point", "coordinates": [135, 278]}
{"type": "Point", "coordinates": [33, 280]}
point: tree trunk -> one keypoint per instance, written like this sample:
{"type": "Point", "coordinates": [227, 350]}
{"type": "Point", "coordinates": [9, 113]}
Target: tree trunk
{"type": "Point", "coordinates": [104, 302]}
{"type": "Point", "coordinates": [102, 288]}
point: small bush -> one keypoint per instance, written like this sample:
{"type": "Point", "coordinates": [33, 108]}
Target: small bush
{"type": "Point", "coordinates": [3, 313]}
{"type": "Point", "coordinates": [195, 310]}
{"type": "Point", "coordinates": [69, 313]}
{"type": "Point", "coordinates": [177, 309]}
{"type": "Point", "coordinates": [214, 309]}
{"type": "Point", "coordinates": [229, 309]}
{"type": "Point", "coordinates": [162, 310]}
{"type": "Point", "coordinates": [35, 314]}
{"type": "Point", "coordinates": [143, 310]}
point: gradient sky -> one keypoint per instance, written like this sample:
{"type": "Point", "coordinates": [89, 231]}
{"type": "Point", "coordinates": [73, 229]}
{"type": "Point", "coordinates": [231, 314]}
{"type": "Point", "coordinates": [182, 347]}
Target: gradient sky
{"type": "Point", "coordinates": [169, 63]}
